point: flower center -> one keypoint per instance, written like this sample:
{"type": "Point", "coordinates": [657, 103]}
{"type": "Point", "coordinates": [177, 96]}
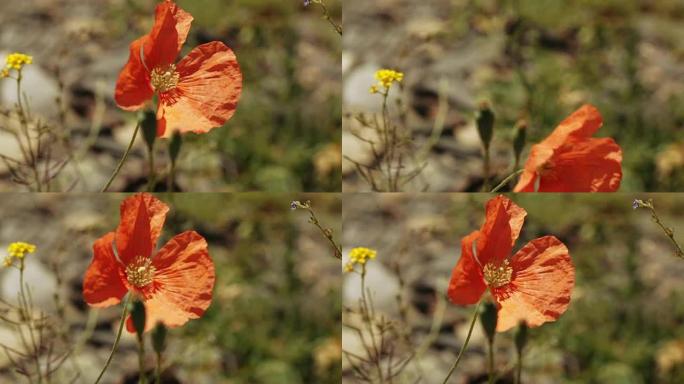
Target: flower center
{"type": "Point", "coordinates": [164, 79]}
{"type": "Point", "coordinates": [497, 276]}
{"type": "Point", "coordinates": [140, 272]}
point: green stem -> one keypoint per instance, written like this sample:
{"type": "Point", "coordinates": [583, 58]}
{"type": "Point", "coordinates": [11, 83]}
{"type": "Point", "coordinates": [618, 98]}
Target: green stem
{"type": "Point", "coordinates": [151, 178]}
{"type": "Point", "coordinates": [171, 178]}
{"type": "Point", "coordinates": [123, 159]}
{"type": "Point", "coordinates": [142, 378]}
{"type": "Point", "coordinates": [486, 168]}
{"type": "Point", "coordinates": [157, 373]}
{"type": "Point", "coordinates": [116, 341]}
{"type": "Point", "coordinates": [27, 315]}
{"type": "Point", "coordinates": [507, 180]}
{"type": "Point", "coordinates": [465, 344]}
{"type": "Point", "coordinates": [491, 361]}
{"type": "Point", "coordinates": [518, 371]}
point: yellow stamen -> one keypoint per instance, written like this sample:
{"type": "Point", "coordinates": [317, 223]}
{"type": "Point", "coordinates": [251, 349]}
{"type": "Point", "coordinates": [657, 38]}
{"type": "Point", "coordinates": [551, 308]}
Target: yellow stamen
{"type": "Point", "coordinates": [497, 276]}
{"type": "Point", "coordinates": [140, 272]}
{"type": "Point", "coordinates": [164, 79]}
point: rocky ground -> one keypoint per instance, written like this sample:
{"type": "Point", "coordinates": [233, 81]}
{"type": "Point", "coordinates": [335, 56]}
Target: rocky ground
{"type": "Point", "coordinates": [621, 57]}
{"type": "Point", "coordinates": [626, 296]}
{"type": "Point", "coordinates": [79, 48]}
{"type": "Point", "coordinates": [275, 311]}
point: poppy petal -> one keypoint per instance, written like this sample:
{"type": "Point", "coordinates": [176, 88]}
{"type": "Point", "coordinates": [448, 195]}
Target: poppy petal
{"type": "Point", "coordinates": [590, 165]}
{"type": "Point", "coordinates": [467, 284]}
{"type": "Point", "coordinates": [543, 278]}
{"type": "Point", "coordinates": [133, 87]}
{"type": "Point", "coordinates": [539, 155]}
{"type": "Point", "coordinates": [504, 220]}
{"type": "Point", "coordinates": [183, 19]}
{"type": "Point", "coordinates": [171, 26]}
{"type": "Point", "coordinates": [102, 284]}
{"type": "Point", "coordinates": [581, 124]}
{"type": "Point", "coordinates": [142, 219]}
{"type": "Point", "coordinates": [184, 281]}
{"type": "Point", "coordinates": [207, 93]}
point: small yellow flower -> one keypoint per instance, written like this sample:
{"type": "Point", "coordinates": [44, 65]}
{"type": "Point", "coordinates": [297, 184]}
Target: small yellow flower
{"type": "Point", "coordinates": [359, 255]}
{"type": "Point", "coordinates": [373, 89]}
{"type": "Point", "coordinates": [17, 60]}
{"type": "Point", "coordinates": [4, 73]}
{"type": "Point", "coordinates": [20, 249]}
{"type": "Point", "coordinates": [386, 77]}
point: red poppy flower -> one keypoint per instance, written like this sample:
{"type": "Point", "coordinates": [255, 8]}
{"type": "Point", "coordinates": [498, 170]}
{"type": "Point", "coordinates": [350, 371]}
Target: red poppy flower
{"type": "Point", "coordinates": [197, 94]}
{"type": "Point", "coordinates": [533, 286]}
{"type": "Point", "coordinates": [175, 282]}
{"type": "Point", "coordinates": [570, 160]}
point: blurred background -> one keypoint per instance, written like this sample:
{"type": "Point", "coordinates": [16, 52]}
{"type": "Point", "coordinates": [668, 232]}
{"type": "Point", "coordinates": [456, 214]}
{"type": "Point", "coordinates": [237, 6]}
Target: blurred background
{"type": "Point", "coordinates": [285, 135]}
{"type": "Point", "coordinates": [624, 323]}
{"type": "Point", "coordinates": [533, 59]}
{"type": "Point", "coordinates": [275, 314]}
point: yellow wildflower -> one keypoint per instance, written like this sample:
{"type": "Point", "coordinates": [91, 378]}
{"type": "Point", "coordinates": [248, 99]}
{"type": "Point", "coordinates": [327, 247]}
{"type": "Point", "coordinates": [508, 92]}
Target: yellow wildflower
{"type": "Point", "coordinates": [359, 255]}
{"type": "Point", "coordinates": [20, 249]}
{"type": "Point", "coordinates": [373, 89]}
{"type": "Point", "coordinates": [18, 60]}
{"type": "Point", "coordinates": [386, 77]}
{"type": "Point", "coordinates": [4, 73]}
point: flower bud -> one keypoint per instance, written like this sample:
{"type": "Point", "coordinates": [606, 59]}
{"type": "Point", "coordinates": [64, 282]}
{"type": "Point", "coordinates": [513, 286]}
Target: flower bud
{"type": "Point", "coordinates": [138, 317]}
{"type": "Point", "coordinates": [175, 146]}
{"type": "Point", "coordinates": [488, 317]}
{"type": "Point", "coordinates": [485, 124]}
{"type": "Point", "coordinates": [159, 338]}
{"type": "Point", "coordinates": [521, 336]}
{"type": "Point", "coordinates": [149, 128]}
{"type": "Point", "coordinates": [519, 139]}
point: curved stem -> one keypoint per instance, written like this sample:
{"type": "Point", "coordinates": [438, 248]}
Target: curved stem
{"type": "Point", "coordinates": [507, 180]}
{"type": "Point", "coordinates": [465, 344]}
{"type": "Point", "coordinates": [142, 377]}
{"type": "Point", "coordinates": [491, 361]}
{"type": "Point", "coordinates": [151, 178]}
{"type": "Point", "coordinates": [123, 159]}
{"type": "Point", "coordinates": [157, 373]}
{"type": "Point", "coordinates": [116, 341]}
{"type": "Point", "coordinates": [486, 167]}
{"type": "Point", "coordinates": [518, 370]}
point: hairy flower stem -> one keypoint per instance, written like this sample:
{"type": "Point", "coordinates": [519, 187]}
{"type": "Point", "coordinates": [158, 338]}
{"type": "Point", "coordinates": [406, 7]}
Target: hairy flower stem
{"type": "Point", "coordinates": [26, 315]}
{"type": "Point", "coordinates": [518, 368]}
{"type": "Point", "coordinates": [123, 159]}
{"type": "Point", "coordinates": [486, 168]}
{"type": "Point", "coordinates": [465, 344]}
{"type": "Point", "coordinates": [142, 378]}
{"type": "Point", "coordinates": [157, 371]}
{"type": "Point", "coordinates": [368, 319]}
{"type": "Point", "coordinates": [117, 339]}
{"type": "Point", "coordinates": [668, 231]}
{"type": "Point", "coordinates": [151, 178]}
{"type": "Point", "coordinates": [491, 361]}
{"type": "Point", "coordinates": [326, 15]}
{"type": "Point", "coordinates": [506, 180]}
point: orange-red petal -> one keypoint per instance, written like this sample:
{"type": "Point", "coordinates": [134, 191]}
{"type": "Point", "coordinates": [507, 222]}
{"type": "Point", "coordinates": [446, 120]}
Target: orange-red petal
{"type": "Point", "coordinates": [161, 47]}
{"type": "Point", "coordinates": [142, 219]}
{"type": "Point", "coordinates": [207, 93]}
{"type": "Point", "coordinates": [102, 284]}
{"type": "Point", "coordinates": [589, 165]}
{"type": "Point", "coordinates": [467, 284]}
{"type": "Point", "coordinates": [133, 88]}
{"type": "Point", "coordinates": [581, 124]}
{"type": "Point", "coordinates": [171, 26]}
{"type": "Point", "coordinates": [543, 278]}
{"type": "Point", "coordinates": [503, 222]}
{"type": "Point", "coordinates": [184, 281]}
